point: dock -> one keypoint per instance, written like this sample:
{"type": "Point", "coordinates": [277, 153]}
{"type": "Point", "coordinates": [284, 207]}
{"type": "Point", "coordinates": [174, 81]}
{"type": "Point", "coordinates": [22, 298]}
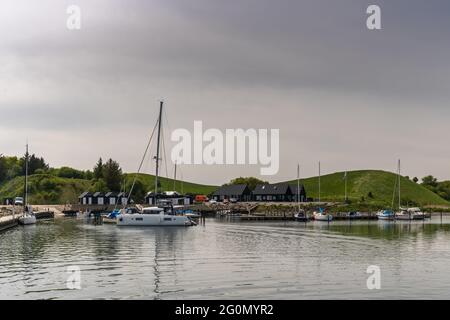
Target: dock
{"type": "Point", "coordinates": [7, 222]}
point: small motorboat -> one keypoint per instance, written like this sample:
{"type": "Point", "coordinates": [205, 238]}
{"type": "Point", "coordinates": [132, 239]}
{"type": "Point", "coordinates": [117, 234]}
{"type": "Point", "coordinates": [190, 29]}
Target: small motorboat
{"type": "Point", "coordinates": [416, 213]}
{"type": "Point", "coordinates": [385, 215]}
{"type": "Point", "coordinates": [403, 215]}
{"type": "Point", "coordinates": [322, 216]}
{"type": "Point", "coordinates": [301, 216]}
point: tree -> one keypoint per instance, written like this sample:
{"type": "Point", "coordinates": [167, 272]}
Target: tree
{"type": "Point", "coordinates": [415, 180]}
{"type": "Point", "coordinates": [250, 181]}
{"type": "Point", "coordinates": [112, 174]}
{"type": "Point", "coordinates": [370, 195]}
{"type": "Point", "coordinates": [3, 169]}
{"type": "Point", "coordinates": [34, 163]}
{"type": "Point", "coordinates": [429, 181]}
{"type": "Point", "coordinates": [98, 169]}
{"type": "Point", "coordinates": [99, 186]}
{"type": "Point", "coordinates": [139, 190]}
{"type": "Point", "coordinates": [67, 172]}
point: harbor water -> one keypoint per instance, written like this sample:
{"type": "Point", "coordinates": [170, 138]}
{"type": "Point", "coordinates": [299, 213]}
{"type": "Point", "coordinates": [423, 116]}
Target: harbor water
{"type": "Point", "coordinates": [223, 259]}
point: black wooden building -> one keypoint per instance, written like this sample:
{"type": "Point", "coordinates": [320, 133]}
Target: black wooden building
{"type": "Point", "coordinates": [240, 192]}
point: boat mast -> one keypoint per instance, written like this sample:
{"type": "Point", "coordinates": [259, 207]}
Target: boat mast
{"type": "Point", "coordinates": [399, 194]}
{"type": "Point", "coordinates": [26, 178]}
{"type": "Point", "coordinates": [298, 186]}
{"type": "Point", "coordinates": [175, 176]}
{"type": "Point", "coordinates": [157, 149]}
{"type": "Point", "coordinates": [319, 181]}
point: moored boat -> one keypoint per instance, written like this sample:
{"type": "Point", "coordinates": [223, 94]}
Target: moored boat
{"type": "Point", "coordinates": [321, 216]}
{"type": "Point", "coordinates": [385, 215]}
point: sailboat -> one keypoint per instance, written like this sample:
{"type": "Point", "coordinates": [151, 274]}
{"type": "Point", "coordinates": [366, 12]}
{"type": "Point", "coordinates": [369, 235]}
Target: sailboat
{"type": "Point", "coordinates": [321, 215]}
{"type": "Point", "coordinates": [300, 215]}
{"type": "Point", "coordinates": [28, 216]}
{"type": "Point", "coordinates": [389, 214]}
{"type": "Point", "coordinates": [406, 213]}
{"type": "Point", "coordinates": [163, 214]}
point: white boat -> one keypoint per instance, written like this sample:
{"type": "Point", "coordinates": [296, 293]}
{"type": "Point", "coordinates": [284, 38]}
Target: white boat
{"type": "Point", "coordinates": [28, 216]}
{"type": "Point", "coordinates": [403, 215]}
{"type": "Point", "coordinates": [300, 215]}
{"type": "Point", "coordinates": [320, 216]}
{"type": "Point", "coordinates": [385, 215]}
{"type": "Point", "coordinates": [416, 213]}
{"type": "Point", "coordinates": [163, 215]}
{"type": "Point", "coordinates": [153, 216]}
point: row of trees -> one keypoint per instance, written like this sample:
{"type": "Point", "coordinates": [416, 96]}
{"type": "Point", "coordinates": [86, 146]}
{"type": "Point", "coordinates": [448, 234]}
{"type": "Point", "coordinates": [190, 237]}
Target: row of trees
{"type": "Point", "coordinates": [106, 176]}
{"type": "Point", "coordinates": [11, 167]}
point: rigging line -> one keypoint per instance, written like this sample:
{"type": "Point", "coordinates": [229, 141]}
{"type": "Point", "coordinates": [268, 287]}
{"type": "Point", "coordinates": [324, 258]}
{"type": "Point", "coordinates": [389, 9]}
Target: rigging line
{"type": "Point", "coordinates": [142, 161]}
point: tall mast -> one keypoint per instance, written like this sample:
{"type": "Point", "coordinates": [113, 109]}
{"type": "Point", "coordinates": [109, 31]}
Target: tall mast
{"type": "Point", "coordinates": [399, 194]}
{"type": "Point", "coordinates": [175, 176]}
{"type": "Point", "coordinates": [26, 178]}
{"type": "Point", "coordinates": [319, 181]}
{"type": "Point", "coordinates": [157, 148]}
{"type": "Point", "coordinates": [298, 186]}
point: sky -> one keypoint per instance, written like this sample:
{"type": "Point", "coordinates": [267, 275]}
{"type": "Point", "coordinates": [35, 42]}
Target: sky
{"type": "Point", "coordinates": [350, 97]}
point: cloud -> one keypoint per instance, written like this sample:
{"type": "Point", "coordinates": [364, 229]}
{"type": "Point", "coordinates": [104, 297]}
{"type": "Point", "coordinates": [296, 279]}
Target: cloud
{"type": "Point", "coordinates": [352, 97]}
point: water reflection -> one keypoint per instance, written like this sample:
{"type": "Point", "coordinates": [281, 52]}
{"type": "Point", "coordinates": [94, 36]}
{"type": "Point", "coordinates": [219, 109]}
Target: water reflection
{"type": "Point", "coordinates": [227, 260]}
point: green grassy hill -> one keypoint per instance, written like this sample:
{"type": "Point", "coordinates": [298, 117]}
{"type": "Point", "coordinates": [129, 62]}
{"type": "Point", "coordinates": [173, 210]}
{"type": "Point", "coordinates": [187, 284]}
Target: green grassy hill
{"type": "Point", "coordinates": [379, 183]}
{"type": "Point", "coordinates": [45, 189]}
{"type": "Point", "coordinates": [49, 189]}
{"type": "Point", "coordinates": [168, 184]}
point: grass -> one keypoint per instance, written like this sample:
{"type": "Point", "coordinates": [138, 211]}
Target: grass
{"type": "Point", "coordinates": [380, 184]}
{"type": "Point", "coordinates": [49, 189]}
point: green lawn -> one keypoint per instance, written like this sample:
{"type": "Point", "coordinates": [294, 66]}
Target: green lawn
{"type": "Point", "coordinates": [379, 183]}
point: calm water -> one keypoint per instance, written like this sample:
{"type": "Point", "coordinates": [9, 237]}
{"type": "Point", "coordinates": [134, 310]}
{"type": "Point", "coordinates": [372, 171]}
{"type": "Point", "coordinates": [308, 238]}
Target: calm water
{"type": "Point", "coordinates": [226, 260]}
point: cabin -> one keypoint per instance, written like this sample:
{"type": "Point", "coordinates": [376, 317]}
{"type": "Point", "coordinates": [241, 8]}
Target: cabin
{"type": "Point", "coordinates": [122, 198]}
{"type": "Point", "coordinates": [111, 198]}
{"type": "Point", "coordinates": [98, 198]}
{"type": "Point", "coordinates": [240, 192]}
{"type": "Point", "coordinates": [85, 198]}
{"type": "Point", "coordinates": [173, 196]}
{"type": "Point", "coordinates": [280, 192]}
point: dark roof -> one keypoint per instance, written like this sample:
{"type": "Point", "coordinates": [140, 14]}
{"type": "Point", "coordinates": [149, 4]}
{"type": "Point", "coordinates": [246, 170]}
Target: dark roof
{"type": "Point", "coordinates": [272, 189]}
{"type": "Point", "coordinates": [294, 188]}
{"type": "Point", "coordinates": [85, 194]}
{"type": "Point", "coordinates": [232, 189]}
{"type": "Point", "coordinates": [111, 194]}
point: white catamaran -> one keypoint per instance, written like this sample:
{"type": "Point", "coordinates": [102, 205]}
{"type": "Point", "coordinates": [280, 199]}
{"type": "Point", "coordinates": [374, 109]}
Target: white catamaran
{"type": "Point", "coordinates": [28, 216]}
{"type": "Point", "coordinates": [161, 215]}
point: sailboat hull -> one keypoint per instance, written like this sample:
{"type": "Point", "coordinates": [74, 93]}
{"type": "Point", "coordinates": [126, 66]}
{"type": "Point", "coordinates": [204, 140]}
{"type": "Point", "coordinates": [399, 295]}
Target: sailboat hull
{"type": "Point", "coordinates": [27, 220]}
{"type": "Point", "coordinates": [149, 220]}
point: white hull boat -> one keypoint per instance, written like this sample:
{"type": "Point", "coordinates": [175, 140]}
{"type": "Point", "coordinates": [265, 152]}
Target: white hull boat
{"type": "Point", "coordinates": [403, 215]}
{"type": "Point", "coordinates": [153, 220]}
{"type": "Point", "coordinates": [385, 215]}
{"type": "Point", "coordinates": [319, 216]}
{"type": "Point", "coordinates": [27, 219]}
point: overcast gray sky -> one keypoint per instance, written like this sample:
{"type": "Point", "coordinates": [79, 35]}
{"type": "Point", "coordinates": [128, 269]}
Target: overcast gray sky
{"type": "Point", "coordinates": [339, 93]}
